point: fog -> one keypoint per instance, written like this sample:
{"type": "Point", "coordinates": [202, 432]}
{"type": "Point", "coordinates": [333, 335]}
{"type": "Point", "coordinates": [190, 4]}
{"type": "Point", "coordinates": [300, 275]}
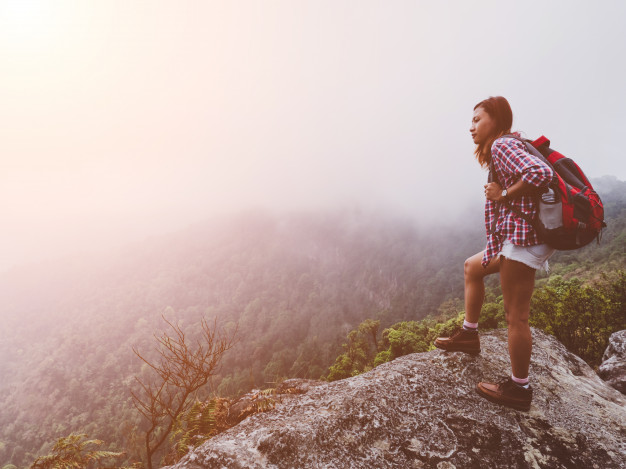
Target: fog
{"type": "Point", "coordinates": [121, 120]}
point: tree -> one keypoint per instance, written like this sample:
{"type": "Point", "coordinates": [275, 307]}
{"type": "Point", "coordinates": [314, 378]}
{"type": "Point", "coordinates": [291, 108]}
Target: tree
{"type": "Point", "coordinates": [582, 316]}
{"type": "Point", "coordinates": [70, 453]}
{"type": "Point", "coordinates": [181, 371]}
{"type": "Point", "coordinates": [359, 353]}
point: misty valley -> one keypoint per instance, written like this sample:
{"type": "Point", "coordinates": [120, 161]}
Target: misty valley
{"type": "Point", "coordinates": [296, 290]}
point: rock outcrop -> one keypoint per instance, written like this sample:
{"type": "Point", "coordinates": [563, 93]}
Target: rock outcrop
{"type": "Point", "coordinates": [613, 367]}
{"type": "Point", "coordinates": [422, 411]}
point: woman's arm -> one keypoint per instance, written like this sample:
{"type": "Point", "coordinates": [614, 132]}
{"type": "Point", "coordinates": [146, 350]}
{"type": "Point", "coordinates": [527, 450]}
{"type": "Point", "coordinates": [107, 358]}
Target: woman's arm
{"type": "Point", "coordinates": [529, 172]}
{"type": "Point", "coordinates": [493, 190]}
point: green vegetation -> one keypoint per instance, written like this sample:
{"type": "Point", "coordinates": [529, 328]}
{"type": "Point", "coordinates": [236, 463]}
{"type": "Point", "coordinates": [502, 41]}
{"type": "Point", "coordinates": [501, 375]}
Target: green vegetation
{"type": "Point", "coordinates": [71, 452]}
{"type": "Point", "coordinates": [581, 316]}
{"type": "Point", "coordinates": [194, 427]}
{"type": "Point", "coordinates": [360, 350]}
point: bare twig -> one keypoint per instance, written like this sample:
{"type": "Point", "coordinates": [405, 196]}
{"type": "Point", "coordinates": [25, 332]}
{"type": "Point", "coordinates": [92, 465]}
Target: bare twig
{"type": "Point", "coordinates": [179, 372]}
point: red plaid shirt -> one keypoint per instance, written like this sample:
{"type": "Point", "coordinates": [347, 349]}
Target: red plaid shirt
{"type": "Point", "coordinates": [511, 161]}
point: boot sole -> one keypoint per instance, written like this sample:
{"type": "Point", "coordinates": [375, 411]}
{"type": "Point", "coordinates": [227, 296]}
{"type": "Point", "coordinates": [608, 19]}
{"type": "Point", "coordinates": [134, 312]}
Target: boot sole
{"type": "Point", "coordinates": [495, 400]}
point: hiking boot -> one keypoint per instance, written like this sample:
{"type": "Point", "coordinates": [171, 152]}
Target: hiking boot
{"type": "Point", "coordinates": [507, 393]}
{"type": "Point", "coordinates": [461, 341]}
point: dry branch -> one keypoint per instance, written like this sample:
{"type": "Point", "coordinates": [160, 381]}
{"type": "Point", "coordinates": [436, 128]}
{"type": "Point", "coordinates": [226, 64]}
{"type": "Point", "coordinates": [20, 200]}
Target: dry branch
{"type": "Point", "coordinates": [179, 372]}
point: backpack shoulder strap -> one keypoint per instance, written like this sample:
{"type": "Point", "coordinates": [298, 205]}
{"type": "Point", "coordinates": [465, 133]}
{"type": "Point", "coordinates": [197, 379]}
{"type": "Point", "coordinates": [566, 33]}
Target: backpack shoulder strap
{"type": "Point", "coordinates": [492, 177]}
{"type": "Point", "coordinates": [530, 147]}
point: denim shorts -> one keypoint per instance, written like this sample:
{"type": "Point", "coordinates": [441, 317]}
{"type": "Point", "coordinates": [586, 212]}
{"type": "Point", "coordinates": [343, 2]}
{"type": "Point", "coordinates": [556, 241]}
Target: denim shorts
{"type": "Point", "coordinates": [535, 257]}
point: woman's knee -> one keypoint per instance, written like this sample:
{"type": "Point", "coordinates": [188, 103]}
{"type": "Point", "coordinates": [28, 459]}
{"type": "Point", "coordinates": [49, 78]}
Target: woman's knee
{"type": "Point", "coordinates": [473, 269]}
{"type": "Point", "coordinates": [516, 317]}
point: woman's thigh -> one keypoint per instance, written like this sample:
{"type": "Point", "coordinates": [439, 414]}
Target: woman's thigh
{"type": "Point", "coordinates": [517, 281]}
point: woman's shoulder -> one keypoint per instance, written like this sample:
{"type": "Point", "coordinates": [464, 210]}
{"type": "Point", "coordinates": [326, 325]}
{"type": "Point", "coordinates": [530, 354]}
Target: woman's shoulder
{"type": "Point", "coordinates": [507, 143]}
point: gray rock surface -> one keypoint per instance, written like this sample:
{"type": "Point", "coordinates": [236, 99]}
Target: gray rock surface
{"type": "Point", "coordinates": [613, 368]}
{"type": "Point", "coordinates": [422, 411]}
{"type": "Point", "coordinates": [249, 403]}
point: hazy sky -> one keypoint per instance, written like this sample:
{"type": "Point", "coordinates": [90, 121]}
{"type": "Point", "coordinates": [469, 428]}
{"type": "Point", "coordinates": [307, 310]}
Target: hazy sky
{"type": "Point", "coordinates": [119, 119]}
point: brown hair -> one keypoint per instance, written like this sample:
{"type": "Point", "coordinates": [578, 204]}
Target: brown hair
{"type": "Point", "coordinates": [499, 110]}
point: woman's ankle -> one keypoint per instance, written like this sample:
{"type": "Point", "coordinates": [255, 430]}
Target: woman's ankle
{"type": "Point", "coordinates": [470, 326]}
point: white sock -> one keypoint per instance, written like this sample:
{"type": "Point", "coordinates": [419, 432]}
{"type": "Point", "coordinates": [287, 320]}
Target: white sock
{"type": "Point", "coordinates": [521, 382]}
{"type": "Point", "coordinates": [470, 326]}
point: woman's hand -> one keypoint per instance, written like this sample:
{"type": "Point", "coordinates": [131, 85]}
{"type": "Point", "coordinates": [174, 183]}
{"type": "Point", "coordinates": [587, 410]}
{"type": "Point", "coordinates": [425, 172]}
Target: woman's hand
{"type": "Point", "coordinates": [493, 191]}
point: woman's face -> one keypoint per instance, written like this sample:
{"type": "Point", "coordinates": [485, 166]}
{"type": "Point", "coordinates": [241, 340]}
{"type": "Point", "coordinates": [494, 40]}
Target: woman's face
{"type": "Point", "coordinates": [482, 126]}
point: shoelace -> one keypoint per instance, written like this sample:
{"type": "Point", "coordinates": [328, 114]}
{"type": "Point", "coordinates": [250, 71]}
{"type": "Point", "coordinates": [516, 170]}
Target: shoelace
{"type": "Point", "coordinates": [509, 384]}
{"type": "Point", "coordinates": [506, 383]}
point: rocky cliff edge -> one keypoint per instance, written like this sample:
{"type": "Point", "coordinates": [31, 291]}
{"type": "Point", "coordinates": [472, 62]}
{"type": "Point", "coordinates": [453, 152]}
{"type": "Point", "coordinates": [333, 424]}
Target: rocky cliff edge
{"type": "Point", "coordinates": [422, 411]}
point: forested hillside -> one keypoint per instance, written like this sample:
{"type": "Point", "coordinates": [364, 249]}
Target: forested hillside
{"type": "Point", "coordinates": [293, 285]}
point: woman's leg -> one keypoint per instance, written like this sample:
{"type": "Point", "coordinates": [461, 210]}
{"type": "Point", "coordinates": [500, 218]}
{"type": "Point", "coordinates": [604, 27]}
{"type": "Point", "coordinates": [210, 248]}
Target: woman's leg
{"type": "Point", "coordinates": [475, 274]}
{"type": "Point", "coordinates": [517, 281]}
{"type": "Point", "coordinates": [467, 340]}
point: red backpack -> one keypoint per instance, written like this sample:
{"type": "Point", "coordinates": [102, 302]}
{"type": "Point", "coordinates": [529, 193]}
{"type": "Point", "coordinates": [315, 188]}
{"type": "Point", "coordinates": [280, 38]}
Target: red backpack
{"type": "Point", "coordinates": [571, 214]}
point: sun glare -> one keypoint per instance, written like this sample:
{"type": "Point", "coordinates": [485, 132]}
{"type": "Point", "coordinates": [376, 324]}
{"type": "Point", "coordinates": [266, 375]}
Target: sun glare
{"type": "Point", "coordinates": [26, 24]}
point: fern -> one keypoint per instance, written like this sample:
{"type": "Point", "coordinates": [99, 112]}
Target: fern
{"type": "Point", "coordinates": [70, 453]}
{"type": "Point", "coordinates": [194, 427]}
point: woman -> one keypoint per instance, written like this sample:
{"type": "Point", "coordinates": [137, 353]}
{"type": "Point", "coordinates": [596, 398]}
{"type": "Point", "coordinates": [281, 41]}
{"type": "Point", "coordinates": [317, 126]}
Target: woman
{"type": "Point", "coordinates": [513, 248]}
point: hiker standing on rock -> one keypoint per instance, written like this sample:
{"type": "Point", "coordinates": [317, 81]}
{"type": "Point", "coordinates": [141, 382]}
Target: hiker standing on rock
{"type": "Point", "coordinates": [513, 247]}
